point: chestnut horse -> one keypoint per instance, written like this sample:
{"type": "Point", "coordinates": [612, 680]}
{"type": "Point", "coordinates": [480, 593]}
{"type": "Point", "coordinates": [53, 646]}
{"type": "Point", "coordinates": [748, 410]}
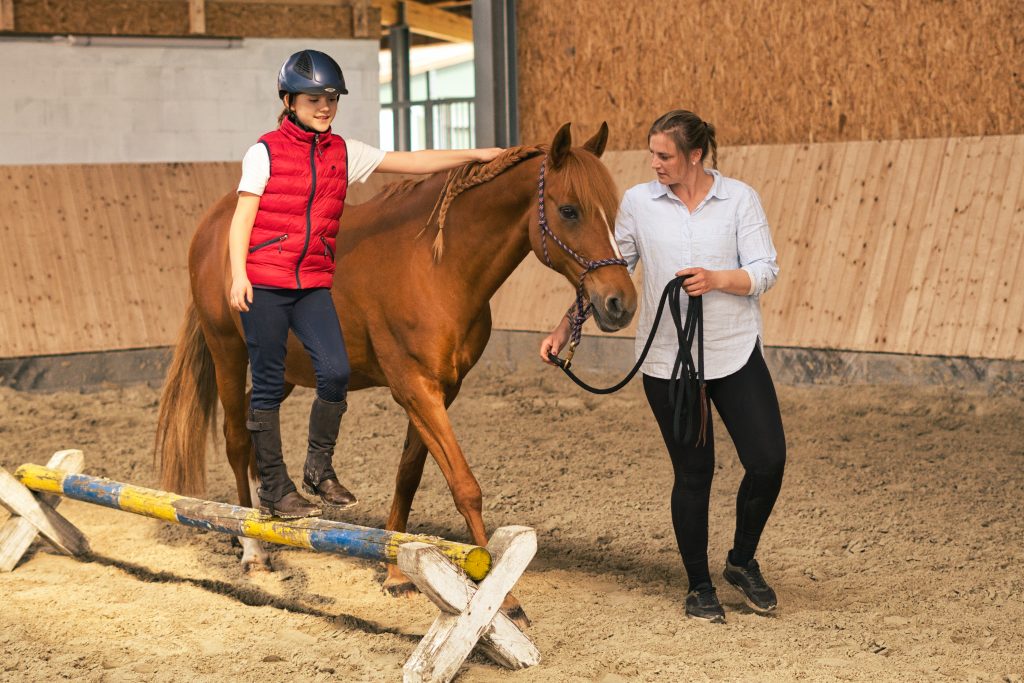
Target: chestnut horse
{"type": "Point", "coordinates": [414, 312]}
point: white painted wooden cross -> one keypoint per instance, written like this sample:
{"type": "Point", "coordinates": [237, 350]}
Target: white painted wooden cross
{"type": "Point", "coordinates": [469, 611]}
{"type": "Point", "coordinates": [33, 514]}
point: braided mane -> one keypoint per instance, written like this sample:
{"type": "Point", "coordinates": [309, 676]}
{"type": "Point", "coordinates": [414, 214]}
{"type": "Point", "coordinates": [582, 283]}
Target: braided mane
{"type": "Point", "coordinates": [462, 178]}
{"type": "Point", "coordinates": [466, 176]}
{"type": "Point", "coordinates": [459, 180]}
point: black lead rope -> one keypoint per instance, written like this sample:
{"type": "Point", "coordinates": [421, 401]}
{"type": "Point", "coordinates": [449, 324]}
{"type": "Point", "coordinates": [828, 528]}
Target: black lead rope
{"type": "Point", "coordinates": [686, 390]}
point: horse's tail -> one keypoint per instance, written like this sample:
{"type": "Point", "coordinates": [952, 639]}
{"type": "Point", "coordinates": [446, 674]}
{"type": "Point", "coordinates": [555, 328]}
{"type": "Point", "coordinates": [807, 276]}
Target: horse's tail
{"type": "Point", "coordinates": [187, 411]}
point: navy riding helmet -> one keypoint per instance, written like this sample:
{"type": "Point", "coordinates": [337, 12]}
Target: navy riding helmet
{"type": "Point", "coordinates": [311, 72]}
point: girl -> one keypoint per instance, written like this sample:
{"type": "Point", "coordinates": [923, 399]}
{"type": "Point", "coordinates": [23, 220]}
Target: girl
{"type": "Point", "coordinates": [697, 222]}
{"type": "Point", "coordinates": [282, 248]}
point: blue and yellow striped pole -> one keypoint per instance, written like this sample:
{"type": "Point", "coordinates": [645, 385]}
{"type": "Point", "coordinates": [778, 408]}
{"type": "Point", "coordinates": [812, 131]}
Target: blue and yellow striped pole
{"type": "Point", "coordinates": [313, 533]}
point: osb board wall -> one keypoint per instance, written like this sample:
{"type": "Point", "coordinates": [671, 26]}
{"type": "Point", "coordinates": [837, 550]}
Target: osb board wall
{"type": "Point", "coordinates": [913, 246]}
{"type": "Point", "coordinates": [773, 72]}
{"type": "Point", "coordinates": [95, 256]}
{"type": "Point", "coordinates": [171, 18]}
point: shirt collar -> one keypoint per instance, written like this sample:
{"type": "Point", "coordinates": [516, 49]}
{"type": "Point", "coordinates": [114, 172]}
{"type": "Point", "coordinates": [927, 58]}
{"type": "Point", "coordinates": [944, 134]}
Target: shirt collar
{"type": "Point", "coordinates": [717, 188]}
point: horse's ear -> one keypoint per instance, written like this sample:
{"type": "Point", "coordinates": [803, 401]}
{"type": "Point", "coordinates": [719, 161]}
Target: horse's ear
{"type": "Point", "coordinates": [561, 145]}
{"type": "Point", "coordinates": [596, 144]}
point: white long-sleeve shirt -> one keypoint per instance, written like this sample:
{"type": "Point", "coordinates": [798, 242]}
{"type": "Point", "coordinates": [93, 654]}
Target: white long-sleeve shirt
{"type": "Point", "coordinates": [727, 230]}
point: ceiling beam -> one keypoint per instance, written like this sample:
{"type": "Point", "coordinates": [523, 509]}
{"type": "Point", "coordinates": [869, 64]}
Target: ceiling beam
{"type": "Point", "coordinates": [6, 15]}
{"type": "Point", "coordinates": [427, 21]}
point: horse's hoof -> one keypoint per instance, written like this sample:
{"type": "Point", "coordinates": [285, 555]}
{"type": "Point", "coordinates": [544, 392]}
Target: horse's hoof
{"type": "Point", "coordinates": [257, 566]}
{"type": "Point", "coordinates": [400, 589]}
{"type": "Point", "coordinates": [518, 616]}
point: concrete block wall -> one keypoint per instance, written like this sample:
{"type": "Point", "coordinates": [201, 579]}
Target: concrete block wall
{"type": "Point", "coordinates": [75, 104]}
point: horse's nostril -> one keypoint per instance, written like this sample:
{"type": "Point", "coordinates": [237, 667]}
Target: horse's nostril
{"type": "Point", "coordinates": [614, 305]}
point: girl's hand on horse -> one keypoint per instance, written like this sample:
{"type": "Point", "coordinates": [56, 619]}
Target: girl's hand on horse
{"type": "Point", "coordinates": [241, 294]}
{"type": "Point", "coordinates": [486, 154]}
{"type": "Point", "coordinates": [700, 282]}
{"type": "Point", "coordinates": [554, 342]}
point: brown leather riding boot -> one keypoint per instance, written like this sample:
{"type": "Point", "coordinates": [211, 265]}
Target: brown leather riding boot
{"type": "Point", "coordinates": [277, 493]}
{"type": "Point", "coordinates": [318, 477]}
{"type": "Point", "coordinates": [291, 506]}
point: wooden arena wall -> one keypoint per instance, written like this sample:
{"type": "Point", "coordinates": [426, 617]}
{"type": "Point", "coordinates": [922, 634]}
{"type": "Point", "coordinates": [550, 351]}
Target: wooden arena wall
{"type": "Point", "coordinates": [910, 246]}
{"type": "Point", "coordinates": [786, 71]}
{"type": "Point", "coordinates": [96, 254]}
{"type": "Point", "coordinates": [903, 246]}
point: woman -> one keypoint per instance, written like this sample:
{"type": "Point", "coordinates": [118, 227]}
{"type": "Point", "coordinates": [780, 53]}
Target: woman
{"type": "Point", "coordinates": [696, 222]}
{"type": "Point", "coordinates": [282, 247]}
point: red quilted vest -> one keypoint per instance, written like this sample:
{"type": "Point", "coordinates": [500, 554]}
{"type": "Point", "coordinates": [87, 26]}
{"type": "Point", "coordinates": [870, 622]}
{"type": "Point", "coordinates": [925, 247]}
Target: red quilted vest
{"type": "Point", "coordinates": [292, 241]}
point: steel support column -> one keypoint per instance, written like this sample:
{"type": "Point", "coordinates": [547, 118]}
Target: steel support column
{"type": "Point", "coordinates": [494, 46]}
{"type": "Point", "coordinates": [398, 41]}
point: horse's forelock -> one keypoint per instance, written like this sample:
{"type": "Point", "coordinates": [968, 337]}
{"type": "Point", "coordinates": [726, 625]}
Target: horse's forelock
{"type": "Point", "coordinates": [589, 181]}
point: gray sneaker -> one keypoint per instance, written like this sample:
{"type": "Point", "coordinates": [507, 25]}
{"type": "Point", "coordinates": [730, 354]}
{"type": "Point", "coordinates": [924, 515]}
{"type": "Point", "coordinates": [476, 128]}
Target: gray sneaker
{"type": "Point", "coordinates": [702, 603]}
{"type": "Point", "coordinates": [750, 582]}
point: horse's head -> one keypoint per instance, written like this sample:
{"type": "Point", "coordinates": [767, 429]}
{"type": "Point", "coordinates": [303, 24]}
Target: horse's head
{"type": "Point", "coordinates": [573, 227]}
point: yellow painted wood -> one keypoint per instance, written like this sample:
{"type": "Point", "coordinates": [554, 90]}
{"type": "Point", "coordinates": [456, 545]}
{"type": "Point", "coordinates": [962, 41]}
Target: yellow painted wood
{"type": "Point", "coordinates": [258, 526]}
{"type": "Point", "coordinates": [41, 479]}
{"type": "Point", "coordinates": [333, 536]}
{"type": "Point", "coordinates": [158, 504]}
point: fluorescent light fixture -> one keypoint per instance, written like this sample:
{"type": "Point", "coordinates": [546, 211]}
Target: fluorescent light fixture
{"type": "Point", "coordinates": [203, 42]}
{"type": "Point", "coordinates": [154, 41]}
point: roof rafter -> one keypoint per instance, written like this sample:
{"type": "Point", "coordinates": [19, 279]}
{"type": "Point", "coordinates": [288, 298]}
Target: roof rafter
{"type": "Point", "coordinates": [427, 20]}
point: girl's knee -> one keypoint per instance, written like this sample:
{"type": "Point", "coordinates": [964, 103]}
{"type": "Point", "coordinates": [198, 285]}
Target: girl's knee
{"type": "Point", "coordinates": [333, 386]}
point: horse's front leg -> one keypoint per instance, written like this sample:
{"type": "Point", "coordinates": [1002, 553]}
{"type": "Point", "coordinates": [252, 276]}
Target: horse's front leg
{"type": "Point", "coordinates": [424, 401]}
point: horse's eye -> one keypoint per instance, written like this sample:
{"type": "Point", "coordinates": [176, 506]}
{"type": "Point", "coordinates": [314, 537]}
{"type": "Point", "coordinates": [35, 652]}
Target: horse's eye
{"type": "Point", "coordinates": [568, 212]}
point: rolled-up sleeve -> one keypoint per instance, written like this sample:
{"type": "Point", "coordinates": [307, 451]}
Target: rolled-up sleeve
{"type": "Point", "coordinates": [626, 234]}
{"type": "Point", "coordinates": [756, 250]}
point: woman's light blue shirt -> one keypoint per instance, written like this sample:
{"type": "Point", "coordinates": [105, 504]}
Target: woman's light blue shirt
{"type": "Point", "coordinates": [727, 230]}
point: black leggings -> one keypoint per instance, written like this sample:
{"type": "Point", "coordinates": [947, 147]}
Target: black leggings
{"type": "Point", "coordinates": [310, 314]}
{"type": "Point", "coordinates": [748, 406]}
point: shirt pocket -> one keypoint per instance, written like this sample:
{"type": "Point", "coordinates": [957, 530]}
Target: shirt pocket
{"type": "Point", "coordinates": [714, 245]}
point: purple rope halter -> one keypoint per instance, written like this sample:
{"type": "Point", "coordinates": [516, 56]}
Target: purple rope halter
{"type": "Point", "coordinates": [581, 310]}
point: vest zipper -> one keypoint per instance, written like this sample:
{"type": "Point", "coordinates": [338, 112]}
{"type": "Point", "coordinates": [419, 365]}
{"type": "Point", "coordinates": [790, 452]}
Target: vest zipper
{"type": "Point", "coordinates": [309, 208]}
{"type": "Point", "coordinates": [327, 248]}
{"type": "Point", "coordinates": [267, 243]}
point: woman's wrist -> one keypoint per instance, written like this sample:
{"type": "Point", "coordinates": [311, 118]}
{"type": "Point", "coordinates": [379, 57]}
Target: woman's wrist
{"type": "Point", "coordinates": [714, 280]}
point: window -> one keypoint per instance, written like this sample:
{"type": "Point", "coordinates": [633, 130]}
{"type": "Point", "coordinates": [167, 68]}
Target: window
{"type": "Point", "coordinates": [441, 92]}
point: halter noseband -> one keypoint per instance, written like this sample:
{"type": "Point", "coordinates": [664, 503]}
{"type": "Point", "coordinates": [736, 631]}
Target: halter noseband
{"type": "Point", "coordinates": [582, 312]}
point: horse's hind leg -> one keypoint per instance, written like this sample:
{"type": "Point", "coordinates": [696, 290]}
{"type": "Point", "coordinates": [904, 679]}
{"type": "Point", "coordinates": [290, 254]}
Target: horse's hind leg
{"type": "Point", "coordinates": [231, 360]}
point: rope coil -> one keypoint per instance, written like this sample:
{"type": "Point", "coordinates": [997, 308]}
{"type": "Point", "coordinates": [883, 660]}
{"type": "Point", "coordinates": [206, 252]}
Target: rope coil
{"type": "Point", "coordinates": [687, 386]}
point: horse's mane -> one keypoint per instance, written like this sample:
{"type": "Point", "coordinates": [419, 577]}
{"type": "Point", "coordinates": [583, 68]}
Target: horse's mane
{"type": "Point", "coordinates": [470, 175]}
{"type": "Point", "coordinates": [466, 176]}
{"type": "Point", "coordinates": [458, 180]}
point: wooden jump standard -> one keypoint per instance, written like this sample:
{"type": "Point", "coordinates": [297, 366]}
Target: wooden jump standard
{"type": "Point", "coordinates": [444, 571]}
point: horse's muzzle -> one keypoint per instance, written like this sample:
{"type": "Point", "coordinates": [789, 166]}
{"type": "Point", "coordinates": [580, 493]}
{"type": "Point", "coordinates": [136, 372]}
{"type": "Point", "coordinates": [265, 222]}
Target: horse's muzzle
{"type": "Point", "coordinates": [612, 313]}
